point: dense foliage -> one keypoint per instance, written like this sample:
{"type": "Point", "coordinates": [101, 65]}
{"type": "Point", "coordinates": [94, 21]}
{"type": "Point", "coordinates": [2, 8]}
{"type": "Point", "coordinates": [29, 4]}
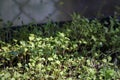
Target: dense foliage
{"type": "Point", "coordinates": [83, 49]}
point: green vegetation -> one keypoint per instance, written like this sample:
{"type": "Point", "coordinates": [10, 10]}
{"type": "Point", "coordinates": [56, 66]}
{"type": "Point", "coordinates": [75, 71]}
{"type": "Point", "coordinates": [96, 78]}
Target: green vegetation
{"type": "Point", "coordinates": [80, 50]}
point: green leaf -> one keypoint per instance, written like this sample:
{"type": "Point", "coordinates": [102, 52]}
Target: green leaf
{"type": "Point", "coordinates": [31, 37]}
{"type": "Point", "coordinates": [19, 65]}
{"type": "Point", "coordinates": [93, 37]}
{"type": "Point", "coordinates": [58, 62]}
{"type": "Point", "coordinates": [50, 59]}
{"type": "Point", "coordinates": [5, 48]}
{"type": "Point", "coordinates": [7, 75]}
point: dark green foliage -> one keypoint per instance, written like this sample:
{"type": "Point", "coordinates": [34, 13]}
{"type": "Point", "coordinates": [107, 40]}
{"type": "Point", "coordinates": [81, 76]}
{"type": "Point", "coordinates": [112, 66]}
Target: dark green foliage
{"type": "Point", "coordinates": [82, 49]}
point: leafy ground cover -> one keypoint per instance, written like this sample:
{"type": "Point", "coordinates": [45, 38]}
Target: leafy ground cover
{"type": "Point", "coordinates": [80, 50]}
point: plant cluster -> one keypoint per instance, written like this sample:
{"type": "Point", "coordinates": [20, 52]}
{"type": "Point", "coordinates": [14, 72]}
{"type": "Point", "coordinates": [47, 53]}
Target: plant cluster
{"type": "Point", "coordinates": [82, 49]}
